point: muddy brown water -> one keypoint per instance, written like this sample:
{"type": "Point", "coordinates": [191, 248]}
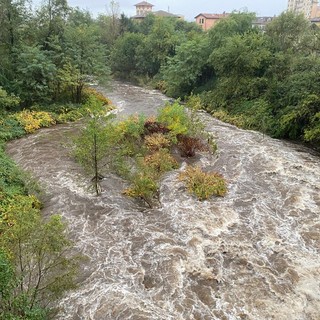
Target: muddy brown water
{"type": "Point", "coordinates": [253, 254]}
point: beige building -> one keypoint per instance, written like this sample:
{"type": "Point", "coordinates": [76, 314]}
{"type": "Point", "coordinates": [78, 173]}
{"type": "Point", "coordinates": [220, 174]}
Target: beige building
{"type": "Point", "coordinates": [144, 8]}
{"type": "Point", "coordinates": [208, 20]}
{"type": "Point", "coordinates": [310, 8]}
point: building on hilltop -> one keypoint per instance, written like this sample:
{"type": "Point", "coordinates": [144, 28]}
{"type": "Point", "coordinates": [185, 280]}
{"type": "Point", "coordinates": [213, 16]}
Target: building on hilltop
{"type": "Point", "coordinates": [144, 8]}
{"type": "Point", "coordinates": [309, 8]}
{"type": "Point", "coordinates": [208, 20]}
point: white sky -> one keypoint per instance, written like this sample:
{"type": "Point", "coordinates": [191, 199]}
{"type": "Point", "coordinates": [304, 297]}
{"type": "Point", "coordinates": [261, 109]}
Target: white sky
{"type": "Point", "coordinates": [188, 8]}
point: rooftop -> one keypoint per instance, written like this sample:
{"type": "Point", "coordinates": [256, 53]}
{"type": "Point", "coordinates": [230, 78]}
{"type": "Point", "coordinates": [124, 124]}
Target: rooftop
{"type": "Point", "coordinates": [144, 3]}
{"type": "Point", "coordinates": [162, 13]}
{"type": "Point", "coordinates": [213, 15]}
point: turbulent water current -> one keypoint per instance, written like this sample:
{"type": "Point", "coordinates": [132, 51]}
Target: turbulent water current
{"type": "Point", "coordinates": [254, 254]}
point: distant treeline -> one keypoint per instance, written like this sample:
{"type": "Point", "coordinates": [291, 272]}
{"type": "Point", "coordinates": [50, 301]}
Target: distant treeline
{"type": "Point", "coordinates": [263, 80]}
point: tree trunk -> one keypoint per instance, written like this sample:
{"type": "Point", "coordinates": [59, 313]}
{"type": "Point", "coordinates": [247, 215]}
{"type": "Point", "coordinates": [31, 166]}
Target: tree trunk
{"type": "Point", "coordinates": [96, 173]}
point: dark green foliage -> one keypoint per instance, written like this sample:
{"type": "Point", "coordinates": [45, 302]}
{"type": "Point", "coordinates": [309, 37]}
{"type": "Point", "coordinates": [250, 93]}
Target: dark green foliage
{"type": "Point", "coordinates": [7, 101]}
{"type": "Point", "coordinates": [11, 181]}
{"type": "Point", "coordinates": [34, 75]}
{"type": "Point", "coordinates": [289, 32]}
{"type": "Point", "coordinates": [235, 24]}
{"type": "Point", "coordinates": [266, 81]}
{"type": "Point", "coordinates": [124, 59]}
{"type": "Point", "coordinates": [185, 70]}
{"type": "Point", "coordinates": [10, 129]}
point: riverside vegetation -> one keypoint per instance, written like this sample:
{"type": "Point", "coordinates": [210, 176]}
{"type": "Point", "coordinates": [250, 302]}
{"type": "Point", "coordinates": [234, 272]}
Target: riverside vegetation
{"type": "Point", "coordinates": [37, 264]}
{"type": "Point", "coordinates": [142, 149]}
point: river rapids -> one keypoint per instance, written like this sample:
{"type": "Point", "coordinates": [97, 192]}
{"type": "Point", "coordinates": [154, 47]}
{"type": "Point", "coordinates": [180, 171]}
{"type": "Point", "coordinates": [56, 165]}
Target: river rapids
{"type": "Point", "coordinates": [253, 254]}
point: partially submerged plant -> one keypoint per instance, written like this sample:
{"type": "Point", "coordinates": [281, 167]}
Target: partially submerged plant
{"type": "Point", "coordinates": [156, 141]}
{"type": "Point", "coordinates": [161, 161]}
{"type": "Point", "coordinates": [139, 149]}
{"type": "Point", "coordinates": [144, 186]}
{"type": "Point", "coordinates": [189, 145]}
{"type": "Point", "coordinates": [203, 184]}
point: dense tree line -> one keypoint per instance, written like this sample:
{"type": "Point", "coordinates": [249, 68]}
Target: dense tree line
{"type": "Point", "coordinates": [263, 80]}
{"type": "Point", "coordinates": [48, 54]}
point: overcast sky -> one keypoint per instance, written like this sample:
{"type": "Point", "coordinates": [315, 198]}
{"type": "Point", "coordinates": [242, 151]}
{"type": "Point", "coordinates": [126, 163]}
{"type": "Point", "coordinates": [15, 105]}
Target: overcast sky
{"type": "Point", "coordinates": [188, 8]}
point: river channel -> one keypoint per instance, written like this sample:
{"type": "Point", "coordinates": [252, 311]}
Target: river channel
{"type": "Point", "coordinates": [254, 254]}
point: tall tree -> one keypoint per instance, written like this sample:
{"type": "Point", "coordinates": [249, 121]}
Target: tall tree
{"type": "Point", "coordinates": [90, 147]}
{"type": "Point", "coordinates": [51, 19]}
{"type": "Point", "coordinates": [289, 32]}
{"type": "Point", "coordinates": [186, 69]}
{"type": "Point", "coordinates": [86, 55]}
{"type": "Point", "coordinates": [124, 60]}
{"type": "Point", "coordinates": [36, 263]}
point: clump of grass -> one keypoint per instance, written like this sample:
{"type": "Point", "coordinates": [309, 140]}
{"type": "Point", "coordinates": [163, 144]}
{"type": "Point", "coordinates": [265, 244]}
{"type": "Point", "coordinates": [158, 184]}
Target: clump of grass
{"type": "Point", "coordinates": [161, 161]}
{"type": "Point", "coordinates": [156, 141]}
{"type": "Point", "coordinates": [144, 185]}
{"type": "Point", "coordinates": [203, 184]}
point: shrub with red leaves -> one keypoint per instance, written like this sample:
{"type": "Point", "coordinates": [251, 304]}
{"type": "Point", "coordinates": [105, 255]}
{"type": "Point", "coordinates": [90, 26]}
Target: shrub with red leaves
{"type": "Point", "coordinates": [189, 145]}
{"type": "Point", "coordinates": [151, 126]}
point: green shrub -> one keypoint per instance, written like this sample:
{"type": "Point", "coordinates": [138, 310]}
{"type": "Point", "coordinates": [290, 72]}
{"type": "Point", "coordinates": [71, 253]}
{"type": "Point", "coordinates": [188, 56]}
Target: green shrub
{"type": "Point", "coordinates": [89, 92]}
{"type": "Point", "coordinates": [223, 115]}
{"type": "Point", "coordinates": [8, 101]}
{"type": "Point", "coordinates": [312, 133]}
{"type": "Point", "coordinates": [203, 184]}
{"type": "Point", "coordinates": [132, 127]}
{"type": "Point", "coordinates": [175, 118]}
{"type": "Point", "coordinates": [10, 128]}
{"type": "Point", "coordinates": [70, 116]}
{"type": "Point", "coordinates": [11, 181]}
{"type": "Point", "coordinates": [143, 186]}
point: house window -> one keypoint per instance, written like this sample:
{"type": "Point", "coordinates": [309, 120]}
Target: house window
{"type": "Point", "coordinates": [201, 20]}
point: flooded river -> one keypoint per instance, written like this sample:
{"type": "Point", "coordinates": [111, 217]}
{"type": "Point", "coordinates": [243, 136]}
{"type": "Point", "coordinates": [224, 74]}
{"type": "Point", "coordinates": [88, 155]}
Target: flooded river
{"type": "Point", "coordinates": [254, 254]}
